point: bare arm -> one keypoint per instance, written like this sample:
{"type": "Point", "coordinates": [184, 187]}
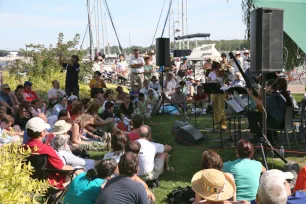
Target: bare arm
{"type": "Point", "coordinates": [75, 134]}
{"type": "Point", "coordinates": [167, 148]}
{"type": "Point", "coordinates": [67, 167]}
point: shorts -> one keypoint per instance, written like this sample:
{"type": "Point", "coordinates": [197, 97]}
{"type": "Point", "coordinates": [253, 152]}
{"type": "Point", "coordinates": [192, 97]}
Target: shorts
{"type": "Point", "coordinates": [156, 172]}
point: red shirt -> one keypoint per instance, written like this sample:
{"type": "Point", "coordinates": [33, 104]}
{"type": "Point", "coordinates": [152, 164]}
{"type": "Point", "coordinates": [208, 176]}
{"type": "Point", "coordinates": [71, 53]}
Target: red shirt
{"type": "Point", "coordinates": [54, 161]}
{"type": "Point", "coordinates": [197, 97]}
{"type": "Point", "coordinates": [133, 136]}
{"type": "Point", "coordinates": [30, 95]}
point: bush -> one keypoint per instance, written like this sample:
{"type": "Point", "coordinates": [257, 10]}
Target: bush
{"type": "Point", "coordinates": [16, 183]}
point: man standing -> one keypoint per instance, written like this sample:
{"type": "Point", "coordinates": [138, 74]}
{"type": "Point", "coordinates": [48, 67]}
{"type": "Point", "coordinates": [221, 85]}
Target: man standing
{"type": "Point", "coordinates": [136, 64]}
{"type": "Point", "coordinates": [55, 93]}
{"type": "Point", "coordinates": [153, 157]}
{"type": "Point", "coordinates": [123, 189]}
{"type": "Point", "coordinates": [72, 76]}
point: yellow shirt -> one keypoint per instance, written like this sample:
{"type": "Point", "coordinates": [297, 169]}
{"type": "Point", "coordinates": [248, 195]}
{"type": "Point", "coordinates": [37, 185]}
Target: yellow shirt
{"type": "Point", "coordinates": [97, 84]}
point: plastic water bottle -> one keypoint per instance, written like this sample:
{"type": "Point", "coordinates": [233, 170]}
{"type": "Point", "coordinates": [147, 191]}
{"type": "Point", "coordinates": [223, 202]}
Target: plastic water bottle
{"type": "Point", "coordinates": [297, 127]}
{"type": "Point", "coordinates": [282, 151]}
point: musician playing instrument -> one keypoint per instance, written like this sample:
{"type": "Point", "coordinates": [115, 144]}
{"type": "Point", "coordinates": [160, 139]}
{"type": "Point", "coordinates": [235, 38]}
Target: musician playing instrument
{"type": "Point", "coordinates": [217, 76]}
{"type": "Point", "coordinates": [275, 109]}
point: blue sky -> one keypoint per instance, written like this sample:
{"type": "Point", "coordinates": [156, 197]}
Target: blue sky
{"type": "Point", "coordinates": [40, 21]}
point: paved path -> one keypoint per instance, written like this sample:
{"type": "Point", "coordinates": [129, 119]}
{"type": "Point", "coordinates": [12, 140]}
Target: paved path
{"type": "Point", "coordinates": [296, 88]}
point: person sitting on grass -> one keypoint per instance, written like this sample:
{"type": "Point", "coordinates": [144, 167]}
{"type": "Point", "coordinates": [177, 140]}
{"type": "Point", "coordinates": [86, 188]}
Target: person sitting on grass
{"type": "Point", "coordinates": [213, 186]}
{"type": "Point", "coordinates": [22, 116]}
{"type": "Point", "coordinates": [126, 108]}
{"type": "Point", "coordinates": [108, 96]}
{"type": "Point", "coordinates": [85, 187]}
{"type": "Point", "coordinates": [212, 160]}
{"type": "Point", "coordinates": [80, 137]}
{"type": "Point", "coordinates": [36, 131]}
{"type": "Point", "coordinates": [154, 84]}
{"type": "Point", "coordinates": [151, 100]}
{"type": "Point", "coordinates": [96, 84]}
{"type": "Point", "coordinates": [29, 95]}
{"type": "Point", "coordinates": [137, 121]}
{"type": "Point", "coordinates": [72, 101]}
{"type": "Point", "coordinates": [55, 93]}
{"type": "Point", "coordinates": [120, 94]}
{"type": "Point", "coordinates": [133, 146]}
{"type": "Point", "coordinates": [118, 144]}
{"type": "Point", "coordinates": [77, 110]}
{"type": "Point", "coordinates": [200, 100]}
{"type": "Point", "coordinates": [141, 105]}
{"type": "Point", "coordinates": [62, 104]}
{"type": "Point", "coordinates": [245, 171]}
{"type": "Point", "coordinates": [178, 98]}
{"type": "Point", "coordinates": [6, 99]}
{"type": "Point", "coordinates": [124, 189]}
{"type": "Point", "coordinates": [7, 133]}
{"type": "Point", "coordinates": [153, 157]}
{"type": "Point", "coordinates": [109, 111]}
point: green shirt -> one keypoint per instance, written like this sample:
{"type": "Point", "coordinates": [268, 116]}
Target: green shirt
{"type": "Point", "coordinates": [246, 173]}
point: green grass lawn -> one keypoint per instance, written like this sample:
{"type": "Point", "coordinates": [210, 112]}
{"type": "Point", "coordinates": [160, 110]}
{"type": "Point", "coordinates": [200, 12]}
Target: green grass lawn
{"type": "Point", "coordinates": [186, 159]}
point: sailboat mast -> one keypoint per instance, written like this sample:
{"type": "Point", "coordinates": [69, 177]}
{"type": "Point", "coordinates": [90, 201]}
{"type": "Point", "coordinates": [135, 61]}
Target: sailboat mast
{"type": "Point", "coordinates": [183, 21]}
{"type": "Point", "coordinates": [187, 23]}
{"type": "Point", "coordinates": [107, 43]}
{"type": "Point", "coordinates": [102, 26]}
{"type": "Point", "coordinates": [97, 10]}
{"type": "Point", "coordinates": [96, 22]}
{"type": "Point", "coordinates": [178, 22]}
{"type": "Point", "coordinates": [90, 31]}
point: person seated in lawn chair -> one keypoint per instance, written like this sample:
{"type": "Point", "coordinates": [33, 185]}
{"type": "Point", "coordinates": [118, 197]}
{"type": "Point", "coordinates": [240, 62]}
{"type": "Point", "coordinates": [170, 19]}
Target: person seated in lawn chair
{"type": "Point", "coordinates": [200, 100]}
{"type": "Point", "coordinates": [36, 131]}
{"type": "Point", "coordinates": [178, 98]}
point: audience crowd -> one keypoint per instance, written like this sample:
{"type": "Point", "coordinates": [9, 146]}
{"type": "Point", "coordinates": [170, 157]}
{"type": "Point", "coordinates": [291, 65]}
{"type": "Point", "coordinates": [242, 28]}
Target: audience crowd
{"type": "Point", "coordinates": [65, 128]}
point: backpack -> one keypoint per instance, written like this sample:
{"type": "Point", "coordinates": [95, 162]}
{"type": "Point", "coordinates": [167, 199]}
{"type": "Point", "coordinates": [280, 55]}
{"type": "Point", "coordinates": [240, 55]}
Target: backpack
{"type": "Point", "coordinates": [181, 195]}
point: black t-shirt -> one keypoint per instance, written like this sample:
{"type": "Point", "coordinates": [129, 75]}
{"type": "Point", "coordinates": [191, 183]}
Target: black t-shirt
{"type": "Point", "coordinates": [21, 122]}
{"type": "Point", "coordinates": [106, 114]}
{"type": "Point", "coordinates": [123, 190]}
{"type": "Point", "coordinates": [72, 75]}
{"type": "Point", "coordinates": [276, 106]}
{"type": "Point", "coordinates": [127, 111]}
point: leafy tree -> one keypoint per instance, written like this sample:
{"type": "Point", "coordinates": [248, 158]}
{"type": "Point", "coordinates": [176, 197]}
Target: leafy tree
{"type": "Point", "coordinates": [16, 183]}
{"type": "Point", "coordinates": [43, 62]}
{"type": "Point", "coordinates": [293, 55]}
{"type": "Point", "coordinates": [3, 53]}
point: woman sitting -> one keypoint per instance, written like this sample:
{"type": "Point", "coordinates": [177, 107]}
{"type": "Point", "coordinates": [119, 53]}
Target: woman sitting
{"type": "Point", "coordinates": [109, 111]}
{"type": "Point", "coordinates": [96, 84]}
{"type": "Point", "coordinates": [18, 96]}
{"type": "Point", "coordinates": [80, 137]}
{"type": "Point", "coordinates": [137, 121]}
{"type": "Point", "coordinates": [141, 105]}
{"type": "Point", "coordinates": [118, 144]}
{"type": "Point", "coordinates": [107, 125]}
{"type": "Point", "coordinates": [245, 171]}
{"type": "Point", "coordinates": [126, 108]}
{"type": "Point", "coordinates": [212, 160]}
{"type": "Point", "coordinates": [22, 116]}
{"type": "Point", "coordinates": [77, 110]}
{"type": "Point", "coordinates": [120, 94]}
{"type": "Point", "coordinates": [85, 187]}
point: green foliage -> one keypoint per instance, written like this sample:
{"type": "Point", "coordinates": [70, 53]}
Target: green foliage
{"type": "Point", "coordinates": [15, 182]}
{"type": "Point", "coordinates": [42, 62]}
{"type": "Point", "coordinates": [3, 53]}
{"type": "Point", "coordinates": [293, 55]}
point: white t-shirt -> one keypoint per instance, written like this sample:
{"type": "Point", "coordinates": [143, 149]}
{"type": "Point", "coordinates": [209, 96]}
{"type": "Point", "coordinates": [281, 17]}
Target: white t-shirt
{"type": "Point", "coordinates": [138, 60]}
{"type": "Point", "coordinates": [147, 154]}
{"type": "Point", "coordinates": [96, 66]}
{"type": "Point", "coordinates": [170, 85]}
{"type": "Point", "coordinates": [212, 75]}
{"type": "Point", "coordinates": [155, 86]}
{"type": "Point", "coordinates": [122, 66]}
{"type": "Point", "coordinates": [55, 92]}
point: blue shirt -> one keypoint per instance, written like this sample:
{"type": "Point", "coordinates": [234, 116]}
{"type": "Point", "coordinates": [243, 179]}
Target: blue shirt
{"type": "Point", "coordinates": [296, 198]}
{"type": "Point", "coordinates": [83, 191]}
{"type": "Point", "coordinates": [246, 173]}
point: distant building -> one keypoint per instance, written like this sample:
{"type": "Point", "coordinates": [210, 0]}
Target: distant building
{"type": "Point", "coordinates": [13, 54]}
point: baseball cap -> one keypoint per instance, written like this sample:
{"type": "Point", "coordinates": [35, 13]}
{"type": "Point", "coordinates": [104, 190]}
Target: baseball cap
{"type": "Point", "coordinates": [37, 124]}
{"type": "Point", "coordinates": [5, 86]}
{"type": "Point", "coordinates": [27, 83]}
{"type": "Point", "coordinates": [72, 98]}
{"type": "Point", "coordinates": [275, 175]}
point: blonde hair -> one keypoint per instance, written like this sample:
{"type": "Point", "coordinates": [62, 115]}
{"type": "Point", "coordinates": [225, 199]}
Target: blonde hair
{"type": "Point", "coordinates": [84, 120]}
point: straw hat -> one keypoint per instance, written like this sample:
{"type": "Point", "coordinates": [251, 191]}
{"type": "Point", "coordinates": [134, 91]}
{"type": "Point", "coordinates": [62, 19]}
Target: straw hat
{"type": "Point", "coordinates": [213, 185]}
{"type": "Point", "coordinates": [61, 127]}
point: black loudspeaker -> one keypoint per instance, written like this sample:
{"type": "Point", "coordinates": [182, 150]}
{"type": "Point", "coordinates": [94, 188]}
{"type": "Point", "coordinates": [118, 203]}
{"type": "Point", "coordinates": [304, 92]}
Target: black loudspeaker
{"type": "Point", "coordinates": [267, 40]}
{"type": "Point", "coordinates": [181, 53]}
{"type": "Point", "coordinates": [188, 135]}
{"type": "Point", "coordinates": [162, 51]}
{"type": "Point", "coordinates": [177, 125]}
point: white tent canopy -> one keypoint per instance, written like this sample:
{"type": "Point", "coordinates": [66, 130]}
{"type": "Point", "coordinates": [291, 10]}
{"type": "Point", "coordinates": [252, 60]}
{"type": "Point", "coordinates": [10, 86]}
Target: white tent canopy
{"type": "Point", "coordinates": [205, 52]}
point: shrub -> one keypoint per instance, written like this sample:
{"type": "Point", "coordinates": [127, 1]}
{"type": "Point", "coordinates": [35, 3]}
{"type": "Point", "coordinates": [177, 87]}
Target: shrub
{"type": "Point", "coordinates": [16, 183]}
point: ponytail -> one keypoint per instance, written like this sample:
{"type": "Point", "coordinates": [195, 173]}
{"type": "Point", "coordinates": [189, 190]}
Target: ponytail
{"type": "Point", "coordinates": [91, 174]}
